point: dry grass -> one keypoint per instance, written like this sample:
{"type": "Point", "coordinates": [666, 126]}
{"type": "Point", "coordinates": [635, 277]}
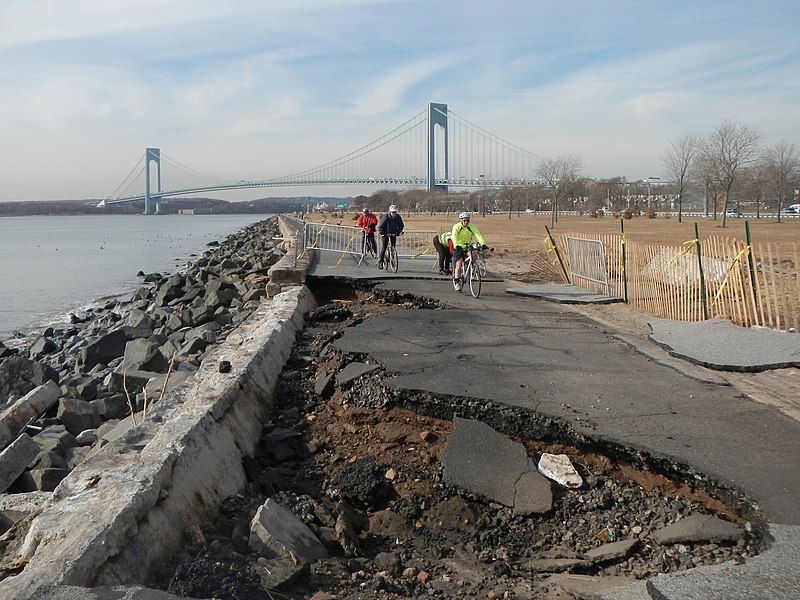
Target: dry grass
{"type": "Point", "coordinates": [520, 249]}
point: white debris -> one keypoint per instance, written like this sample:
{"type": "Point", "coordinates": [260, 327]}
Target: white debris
{"type": "Point", "coordinates": [559, 468]}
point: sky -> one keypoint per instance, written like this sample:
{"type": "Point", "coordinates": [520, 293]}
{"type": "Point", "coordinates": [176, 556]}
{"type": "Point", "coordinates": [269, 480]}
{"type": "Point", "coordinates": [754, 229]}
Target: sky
{"type": "Point", "coordinates": [255, 89]}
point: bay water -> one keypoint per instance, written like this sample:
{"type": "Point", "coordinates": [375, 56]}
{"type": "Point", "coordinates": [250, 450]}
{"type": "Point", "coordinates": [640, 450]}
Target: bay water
{"type": "Point", "coordinates": [52, 266]}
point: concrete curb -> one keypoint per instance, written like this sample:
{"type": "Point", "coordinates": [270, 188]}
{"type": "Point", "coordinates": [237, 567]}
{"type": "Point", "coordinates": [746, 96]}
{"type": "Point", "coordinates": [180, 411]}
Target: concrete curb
{"type": "Point", "coordinates": [123, 510]}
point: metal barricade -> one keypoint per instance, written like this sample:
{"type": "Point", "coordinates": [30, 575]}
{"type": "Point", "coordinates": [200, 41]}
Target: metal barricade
{"type": "Point", "coordinates": [587, 261]}
{"type": "Point", "coordinates": [327, 237]}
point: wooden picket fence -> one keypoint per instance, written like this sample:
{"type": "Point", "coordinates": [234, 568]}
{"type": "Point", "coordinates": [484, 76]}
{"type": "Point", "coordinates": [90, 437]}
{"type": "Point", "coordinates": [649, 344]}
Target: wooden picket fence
{"type": "Point", "coordinates": [723, 278]}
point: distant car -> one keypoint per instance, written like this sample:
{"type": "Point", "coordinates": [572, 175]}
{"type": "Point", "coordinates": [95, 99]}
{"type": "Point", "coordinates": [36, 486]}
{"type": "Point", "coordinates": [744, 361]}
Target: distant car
{"type": "Point", "coordinates": [791, 210]}
{"type": "Point", "coordinates": [528, 210]}
{"type": "Point", "coordinates": [731, 212]}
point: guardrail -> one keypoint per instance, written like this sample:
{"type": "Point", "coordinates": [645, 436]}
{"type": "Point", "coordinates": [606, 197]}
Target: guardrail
{"type": "Point", "coordinates": [328, 237]}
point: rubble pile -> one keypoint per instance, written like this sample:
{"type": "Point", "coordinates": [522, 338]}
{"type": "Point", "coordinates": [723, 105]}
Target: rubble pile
{"type": "Point", "coordinates": [353, 495]}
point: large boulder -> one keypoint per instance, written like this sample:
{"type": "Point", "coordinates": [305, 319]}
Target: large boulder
{"type": "Point", "coordinates": [103, 350]}
{"type": "Point", "coordinates": [19, 375]}
{"type": "Point", "coordinates": [30, 407]}
{"type": "Point", "coordinates": [43, 345]}
{"type": "Point", "coordinates": [138, 324]}
{"type": "Point", "coordinates": [143, 355]}
{"type": "Point", "coordinates": [78, 415]}
{"type": "Point", "coordinates": [15, 459]}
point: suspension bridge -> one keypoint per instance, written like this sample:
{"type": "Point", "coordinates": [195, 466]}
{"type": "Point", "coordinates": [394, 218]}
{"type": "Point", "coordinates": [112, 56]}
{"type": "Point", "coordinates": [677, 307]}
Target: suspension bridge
{"type": "Point", "coordinates": [436, 149]}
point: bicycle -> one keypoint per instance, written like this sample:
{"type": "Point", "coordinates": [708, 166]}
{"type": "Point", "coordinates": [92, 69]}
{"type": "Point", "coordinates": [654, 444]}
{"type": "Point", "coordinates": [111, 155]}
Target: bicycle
{"type": "Point", "coordinates": [366, 248]}
{"type": "Point", "coordinates": [470, 272]}
{"type": "Point", "coordinates": [480, 261]}
{"type": "Point", "coordinates": [390, 257]}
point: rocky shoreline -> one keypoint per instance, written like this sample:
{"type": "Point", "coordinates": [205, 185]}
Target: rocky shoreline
{"type": "Point", "coordinates": [69, 388]}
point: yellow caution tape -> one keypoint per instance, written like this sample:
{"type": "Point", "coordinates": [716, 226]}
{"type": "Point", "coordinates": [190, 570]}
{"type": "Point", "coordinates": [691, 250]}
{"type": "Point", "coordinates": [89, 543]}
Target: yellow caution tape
{"type": "Point", "coordinates": [423, 252]}
{"type": "Point", "coordinates": [312, 246]}
{"type": "Point", "coordinates": [346, 248]}
{"type": "Point", "coordinates": [745, 251]}
{"type": "Point", "coordinates": [690, 244]}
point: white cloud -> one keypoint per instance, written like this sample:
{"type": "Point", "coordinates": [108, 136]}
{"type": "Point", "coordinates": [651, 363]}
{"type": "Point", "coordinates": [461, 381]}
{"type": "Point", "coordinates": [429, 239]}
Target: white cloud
{"type": "Point", "coordinates": [232, 88]}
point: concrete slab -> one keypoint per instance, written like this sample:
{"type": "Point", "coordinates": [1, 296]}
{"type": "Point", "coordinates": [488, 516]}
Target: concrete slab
{"type": "Point", "coordinates": [479, 459]}
{"type": "Point", "coordinates": [276, 529]}
{"type": "Point", "coordinates": [353, 371]}
{"type": "Point", "coordinates": [584, 587]}
{"type": "Point", "coordinates": [662, 356]}
{"type": "Point", "coordinates": [698, 528]}
{"type": "Point", "coordinates": [773, 574]}
{"type": "Point", "coordinates": [561, 292]}
{"type": "Point", "coordinates": [719, 344]}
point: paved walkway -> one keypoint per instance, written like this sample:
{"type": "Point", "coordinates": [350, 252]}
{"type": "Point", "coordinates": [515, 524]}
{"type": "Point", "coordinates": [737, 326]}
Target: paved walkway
{"type": "Point", "coordinates": [542, 356]}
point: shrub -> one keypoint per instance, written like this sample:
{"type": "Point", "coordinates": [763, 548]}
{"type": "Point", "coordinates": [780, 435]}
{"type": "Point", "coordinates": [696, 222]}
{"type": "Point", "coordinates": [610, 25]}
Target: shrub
{"type": "Point", "coordinates": [650, 212]}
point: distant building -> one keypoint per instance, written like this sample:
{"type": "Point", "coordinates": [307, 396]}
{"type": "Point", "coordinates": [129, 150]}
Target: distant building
{"type": "Point", "coordinates": [185, 211]}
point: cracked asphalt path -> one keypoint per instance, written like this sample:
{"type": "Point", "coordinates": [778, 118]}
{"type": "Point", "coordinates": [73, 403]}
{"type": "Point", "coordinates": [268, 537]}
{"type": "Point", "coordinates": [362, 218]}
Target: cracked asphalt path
{"type": "Point", "coordinates": [543, 356]}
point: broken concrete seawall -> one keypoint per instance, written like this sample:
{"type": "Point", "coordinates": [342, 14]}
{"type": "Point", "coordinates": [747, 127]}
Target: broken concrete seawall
{"type": "Point", "coordinates": [123, 509]}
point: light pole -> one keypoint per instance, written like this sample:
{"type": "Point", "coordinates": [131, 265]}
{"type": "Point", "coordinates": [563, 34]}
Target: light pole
{"type": "Point", "coordinates": [482, 184]}
{"type": "Point", "coordinates": [649, 181]}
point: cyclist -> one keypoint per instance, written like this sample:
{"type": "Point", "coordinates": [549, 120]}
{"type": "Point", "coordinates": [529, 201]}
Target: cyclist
{"type": "Point", "coordinates": [368, 222]}
{"type": "Point", "coordinates": [462, 235]}
{"type": "Point", "coordinates": [442, 244]}
{"type": "Point", "coordinates": [391, 225]}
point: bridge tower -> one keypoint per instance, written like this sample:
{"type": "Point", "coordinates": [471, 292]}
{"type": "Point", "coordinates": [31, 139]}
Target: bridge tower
{"type": "Point", "coordinates": [152, 155]}
{"type": "Point", "coordinates": [437, 124]}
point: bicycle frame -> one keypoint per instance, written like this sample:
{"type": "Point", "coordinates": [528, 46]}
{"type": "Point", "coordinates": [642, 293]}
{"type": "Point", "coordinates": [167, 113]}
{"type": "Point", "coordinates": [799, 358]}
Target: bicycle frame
{"type": "Point", "coordinates": [365, 248]}
{"type": "Point", "coordinates": [471, 271]}
{"type": "Point", "coordinates": [390, 257]}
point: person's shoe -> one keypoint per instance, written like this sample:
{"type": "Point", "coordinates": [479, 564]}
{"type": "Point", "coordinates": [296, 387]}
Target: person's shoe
{"type": "Point", "coordinates": [442, 272]}
{"type": "Point", "coordinates": [447, 272]}
{"type": "Point", "coordinates": [457, 284]}
{"type": "Point", "coordinates": [380, 265]}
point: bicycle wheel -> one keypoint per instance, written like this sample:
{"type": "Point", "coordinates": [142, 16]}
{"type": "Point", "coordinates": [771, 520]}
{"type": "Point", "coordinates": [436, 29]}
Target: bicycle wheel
{"type": "Point", "coordinates": [480, 262]}
{"type": "Point", "coordinates": [392, 258]}
{"type": "Point", "coordinates": [474, 276]}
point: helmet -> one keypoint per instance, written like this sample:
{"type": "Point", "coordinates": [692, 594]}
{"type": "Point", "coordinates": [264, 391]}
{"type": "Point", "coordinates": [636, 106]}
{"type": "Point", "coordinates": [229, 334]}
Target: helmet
{"type": "Point", "coordinates": [392, 208]}
{"type": "Point", "coordinates": [463, 215]}
{"type": "Point", "coordinates": [366, 210]}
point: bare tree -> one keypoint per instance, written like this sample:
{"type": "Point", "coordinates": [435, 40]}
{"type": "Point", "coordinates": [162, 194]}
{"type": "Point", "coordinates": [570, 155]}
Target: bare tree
{"type": "Point", "coordinates": [705, 176]}
{"type": "Point", "coordinates": [782, 165]}
{"type": "Point", "coordinates": [382, 199]}
{"type": "Point", "coordinates": [512, 197]}
{"type": "Point", "coordinates": [678, 163]}
{"type": "Point", "coordinates": [754, 186]}
{"type": "Point", "coordinates": [729, 148]}
{"type": "Point", "coordinates": [559, 174]}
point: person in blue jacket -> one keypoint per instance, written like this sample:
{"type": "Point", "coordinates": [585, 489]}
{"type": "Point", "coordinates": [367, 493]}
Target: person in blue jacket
{"type": "Point", "coordinates": [391, 224]}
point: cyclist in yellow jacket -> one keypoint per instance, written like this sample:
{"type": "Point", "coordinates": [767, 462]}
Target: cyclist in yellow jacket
{"type": "Point", "coordinates": [462, 235]}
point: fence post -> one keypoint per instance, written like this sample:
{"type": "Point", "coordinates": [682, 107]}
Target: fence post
{"type": "Point", "coordinates": [558, 256]}
{"type": "Point", "coordinates": [753, 287]}
{"type": "Point", "coordinates": [700, 268]}
{"type": "Point", "coordinates": [624, 261]}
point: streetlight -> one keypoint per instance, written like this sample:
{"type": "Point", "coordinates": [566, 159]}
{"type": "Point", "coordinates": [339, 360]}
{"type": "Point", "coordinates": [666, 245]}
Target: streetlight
{"type": "Point", "coordinates": [649, 181]}
{"type": "Point", "coordinates": [482, 184]}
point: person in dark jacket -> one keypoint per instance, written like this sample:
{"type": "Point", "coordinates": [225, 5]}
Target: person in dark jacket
{"type": "Point", "coordinates": [391, 224]}
{"type": "Point", "coordinates": [442, 244]}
